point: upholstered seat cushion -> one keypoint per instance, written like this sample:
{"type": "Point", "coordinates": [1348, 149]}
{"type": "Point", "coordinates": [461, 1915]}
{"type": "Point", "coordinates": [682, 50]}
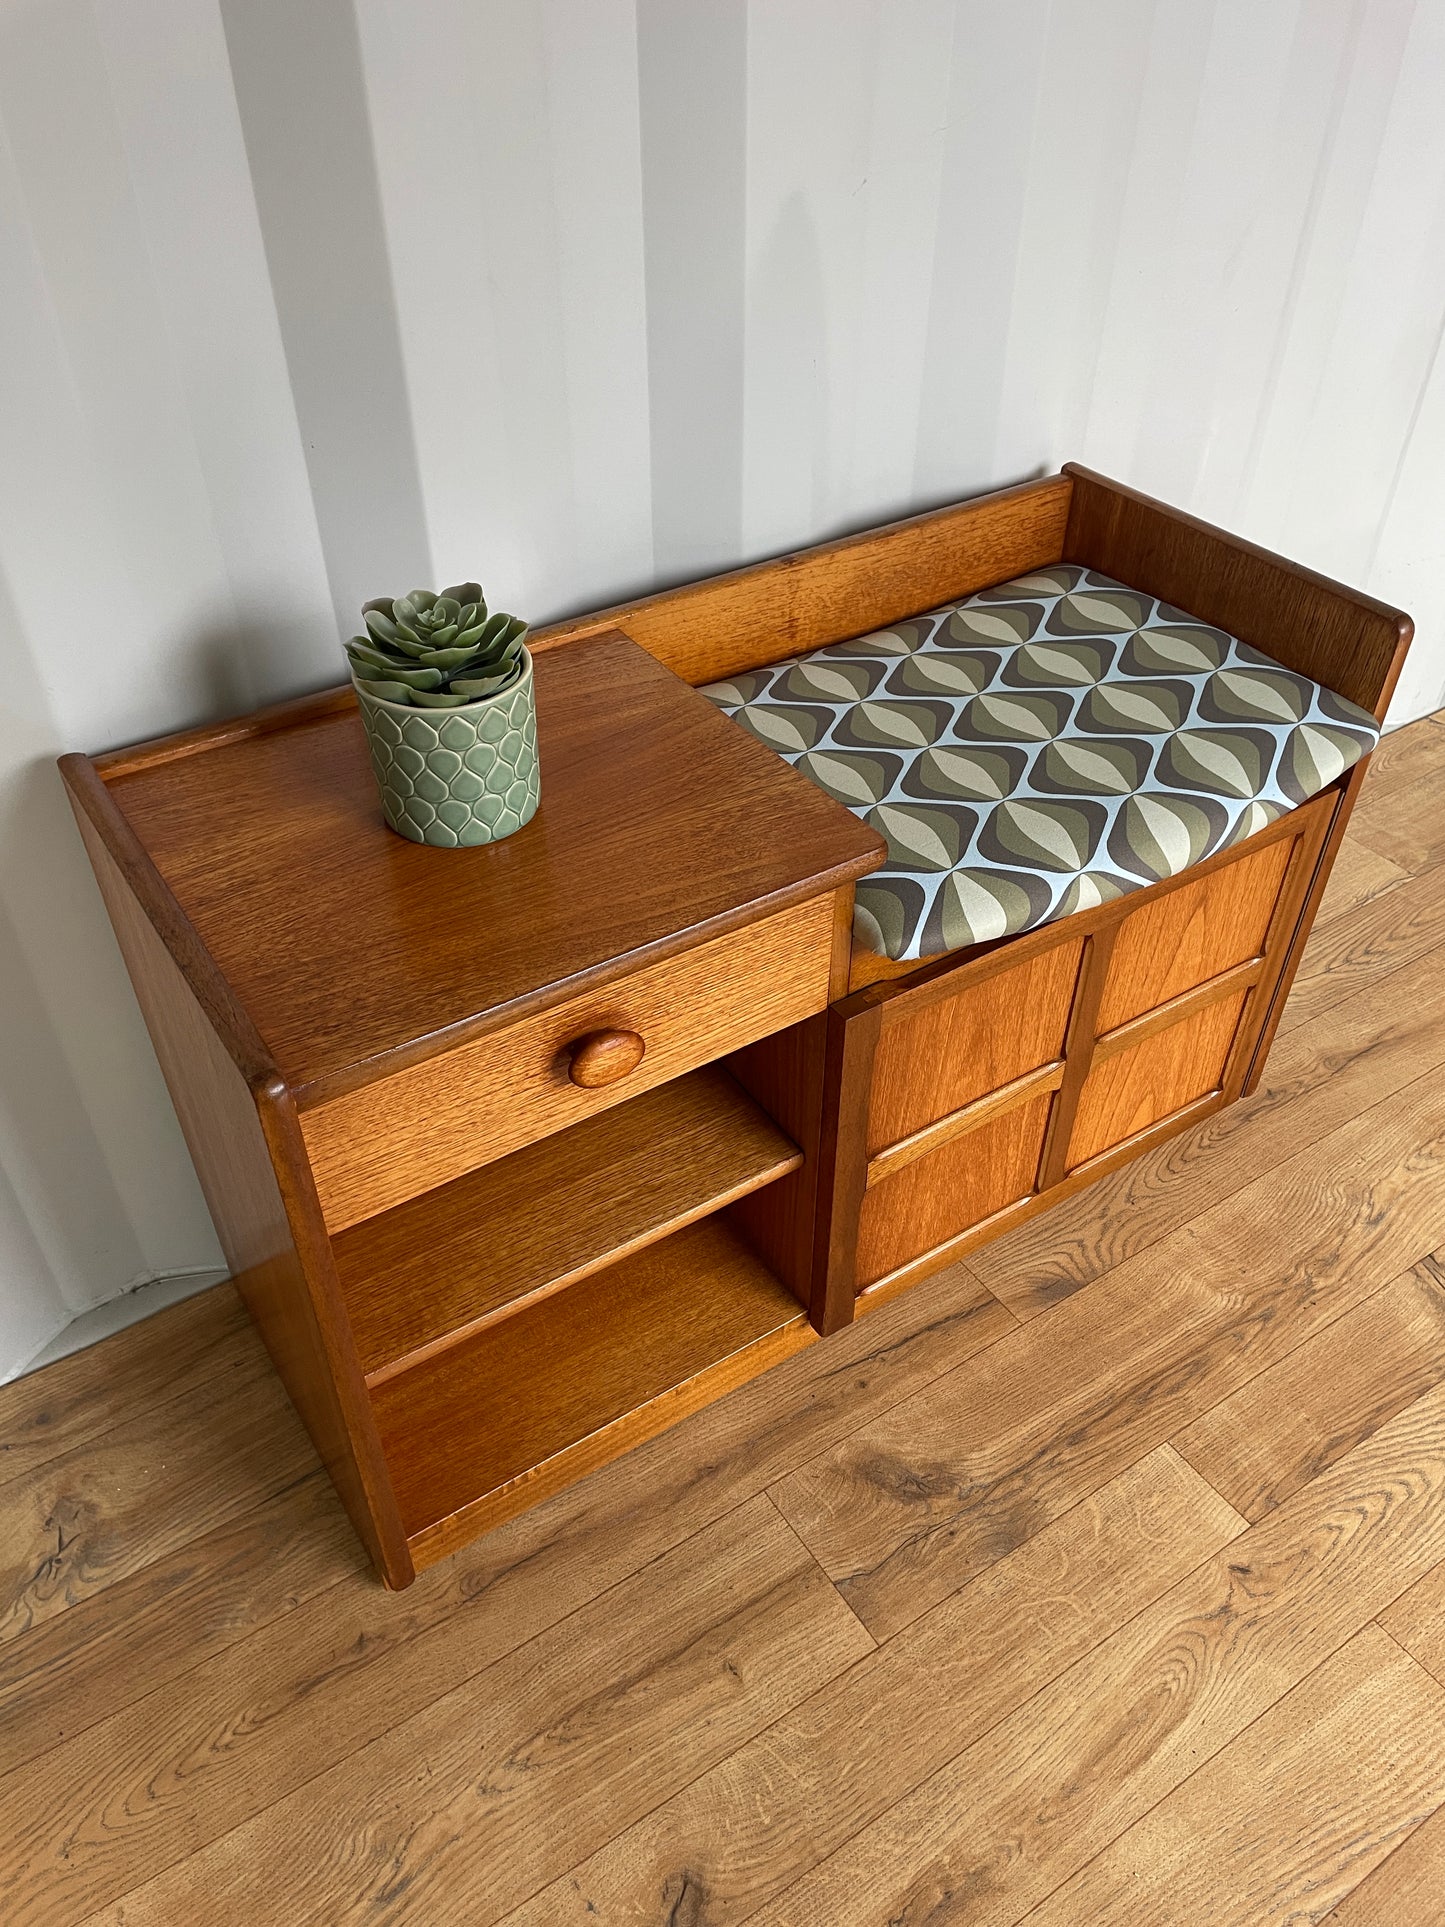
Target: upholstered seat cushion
{"type": "Point", "coordinates": [1043, 746]}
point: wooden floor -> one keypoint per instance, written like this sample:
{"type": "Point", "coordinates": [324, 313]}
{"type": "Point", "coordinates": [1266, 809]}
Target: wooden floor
{"type": "Point", "coordinates": [1101, 1579]}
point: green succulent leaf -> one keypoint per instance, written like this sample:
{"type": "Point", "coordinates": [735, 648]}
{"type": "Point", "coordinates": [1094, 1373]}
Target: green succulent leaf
{"type": "Point", "coordinates": [364, 654]}
{"type": "Point", "coordinates": [453, 658]}
{"type": "Point", "coordinates": [466, 592]}
{"type": "Point", "coordinates": [437, 651]}
{"type": "Point", "coordinates": [432, 699]}
{"type": "Point", "coordinates": [474, 687]}
{"type": "Point", "coordinates": [379, 623]}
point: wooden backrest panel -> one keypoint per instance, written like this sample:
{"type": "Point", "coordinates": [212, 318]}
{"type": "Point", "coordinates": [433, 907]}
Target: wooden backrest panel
{"type": "Point", "coordinates": [730, 623]}
{"type": "Point", "coordinates": [1348, 641]}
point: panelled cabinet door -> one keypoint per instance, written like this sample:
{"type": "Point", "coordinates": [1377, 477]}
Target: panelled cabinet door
{"type": "Point", "coordinates": [1187, 987]}
{"type": "Point", "coordinates": [998, 1083]}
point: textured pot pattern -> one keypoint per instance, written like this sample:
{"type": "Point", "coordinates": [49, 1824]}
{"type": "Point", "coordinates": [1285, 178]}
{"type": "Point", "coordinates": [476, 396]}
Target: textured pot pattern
{"type": "Point", "coordinates": [455, 777]}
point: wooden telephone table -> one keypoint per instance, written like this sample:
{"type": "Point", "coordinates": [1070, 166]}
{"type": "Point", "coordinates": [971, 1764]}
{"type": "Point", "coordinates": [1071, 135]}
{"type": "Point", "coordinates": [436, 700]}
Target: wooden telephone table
{"type": "Point", "coordinates": [518, 1154]}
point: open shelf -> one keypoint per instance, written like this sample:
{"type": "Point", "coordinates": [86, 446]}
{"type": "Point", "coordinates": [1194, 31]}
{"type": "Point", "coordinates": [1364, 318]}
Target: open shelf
{"type": "Point", "coordinates": [476, 1432]}
{"type": "Point", "coordinates": [442, 1266]}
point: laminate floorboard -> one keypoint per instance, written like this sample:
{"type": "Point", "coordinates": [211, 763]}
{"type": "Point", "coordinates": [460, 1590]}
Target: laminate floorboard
{"type": "Point", "coordinates": [674, 1669]}
{"type": "Point", "coordinates": [1283, 1428]}
{"type": "Point", "coordinates": [1407, 1889]}
{"type": "Point", "coordinates": [740, 1833]}
{"type": "Point", "coordinates": [1012, 1817]}
{"type": "Point", "coordinates": [1098, 1579]}
{"type": "Point", "coordinates": [1288, 1818]}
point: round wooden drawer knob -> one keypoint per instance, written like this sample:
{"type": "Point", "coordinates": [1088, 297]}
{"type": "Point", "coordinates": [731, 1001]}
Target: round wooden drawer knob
{"type": "Point", "coordinates": [602, 1056]}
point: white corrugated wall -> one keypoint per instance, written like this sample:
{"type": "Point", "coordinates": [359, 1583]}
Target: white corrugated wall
{"type": "Point", "coordinates": [306, 300]}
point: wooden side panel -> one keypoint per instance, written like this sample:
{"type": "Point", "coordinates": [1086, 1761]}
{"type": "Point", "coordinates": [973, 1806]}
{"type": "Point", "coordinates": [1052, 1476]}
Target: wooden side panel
{"type": "Point", "coordinates": [706, 630]}
{"type": "Point", "coordinates": [1173, 942]}
{"type": "Point", "coordinates": [389, 1141]}
{"type": "Point", "coordinates": [1131, 1089]}
{"type": "Point", "coordinates": [942, 1193]}
{"type": "Point", "coordinates": [269, 1228]}
{"type": "Point", "coordinates": [788, 1073]}
{"type": "Point", "coordinates": [1346, 640]}
{"type": "Point", "coordinates": [1335, 807]}
{"type": "Point", "coordinates": [784, 1073]}
{"type": "Point", "coordinates": [936, 1057]}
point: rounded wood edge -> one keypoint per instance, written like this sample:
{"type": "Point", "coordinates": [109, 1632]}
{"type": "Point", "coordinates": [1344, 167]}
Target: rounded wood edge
{"type": "Point", "coordinates": [295, 710]}
{"type": "Point", "coordinates": [101, 817]}
{"type": "Point", "coordinates": [603, 1057]}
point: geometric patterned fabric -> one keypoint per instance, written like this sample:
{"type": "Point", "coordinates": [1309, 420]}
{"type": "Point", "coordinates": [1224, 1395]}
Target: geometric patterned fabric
{"type": "Point", "coordinates": [1041, 747]}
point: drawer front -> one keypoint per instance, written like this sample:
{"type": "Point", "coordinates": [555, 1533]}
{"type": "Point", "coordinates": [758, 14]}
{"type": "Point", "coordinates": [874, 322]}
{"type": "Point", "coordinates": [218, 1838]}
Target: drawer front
{"type": "Point", "coordinates": [398, 1137]}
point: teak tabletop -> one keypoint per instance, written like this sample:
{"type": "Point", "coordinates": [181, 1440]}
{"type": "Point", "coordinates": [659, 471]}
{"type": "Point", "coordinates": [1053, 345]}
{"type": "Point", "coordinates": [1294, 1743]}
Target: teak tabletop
{"type": "Point", "coordinates": [353, 950]}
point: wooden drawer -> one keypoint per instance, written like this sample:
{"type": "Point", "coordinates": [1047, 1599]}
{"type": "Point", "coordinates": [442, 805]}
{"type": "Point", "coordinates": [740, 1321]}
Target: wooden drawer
{"type": "Point", "coordinates": [393, 1139]}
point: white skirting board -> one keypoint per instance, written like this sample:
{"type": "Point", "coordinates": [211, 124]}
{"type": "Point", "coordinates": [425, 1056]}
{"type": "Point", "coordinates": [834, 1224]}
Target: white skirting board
{"type": "Point", "coordinates": [101, 1321]}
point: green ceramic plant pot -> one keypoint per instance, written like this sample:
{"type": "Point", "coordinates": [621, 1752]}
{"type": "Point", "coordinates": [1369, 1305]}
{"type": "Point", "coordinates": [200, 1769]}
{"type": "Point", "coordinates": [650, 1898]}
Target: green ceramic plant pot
{"type": "Point", "coordinates": [455, 777]}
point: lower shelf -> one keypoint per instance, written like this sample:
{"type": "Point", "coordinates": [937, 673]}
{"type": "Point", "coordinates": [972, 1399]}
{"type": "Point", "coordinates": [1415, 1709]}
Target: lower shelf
{"type": "Point", "coordinates": [477, 1432]}
{"type": "Point", "coordinates": [432, 1272]}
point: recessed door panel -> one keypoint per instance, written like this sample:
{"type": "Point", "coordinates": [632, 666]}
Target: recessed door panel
{"type": "Point", "coordinates": [958, 1048]}
{"type": "Point", "coordinates": [1128, 1090]}
{"type": "Point", "coordinates": [944, 1192]}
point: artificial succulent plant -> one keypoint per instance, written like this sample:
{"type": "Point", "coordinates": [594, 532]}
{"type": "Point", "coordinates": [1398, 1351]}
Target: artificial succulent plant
{"type": "Point", "coordinates": [437, 651]}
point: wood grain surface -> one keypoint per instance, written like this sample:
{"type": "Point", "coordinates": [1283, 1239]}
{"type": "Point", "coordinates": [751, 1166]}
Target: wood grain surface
{"type": "Point", "coordinates": [936, 1196]}
{"type": "Point", "coordinates": [1085, 1688]}
{"type": "Point", "coordinates": [1405, 1888]}
{"type": "Point", "coordinates": [1355, 1054]}
{"type": "Point", "coordinates": [492, 1423]}
{"type": "Point", "coordinates": [377, 1146]}
{"type": "Point", "coordinates": [1173, 943]}
{"type": "Point", "coordinates": [1012, 1817]}
{"type": "Point", "coordinates": [707, 630]}
{"type": "Point", "coordinates": [242, 1134]}
{"type": "Point", "coordinates": [1344, 639]}
{"type": "Point", "coordinates": [982, 1110]}
{"type": "Point", "coordinates": [1118, 1369]}
{"type": "Point", "coordinates": [681, 1663]}
{"type": "Point", "coordinates": [353, 950]}
{"type": "Point", "coordinates": [1133, 1088]}
{"type": "Point", "coordinates": [1286, 1426]}
{"type": "Point", "coordinates": [935, 1059]}
{"type": "Point", "coordinates": [922, 1697]}
{"type": "Point", "coordinates": [431, 1272]}
{"type": "Point", "coordinates": [1289, 1816]}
